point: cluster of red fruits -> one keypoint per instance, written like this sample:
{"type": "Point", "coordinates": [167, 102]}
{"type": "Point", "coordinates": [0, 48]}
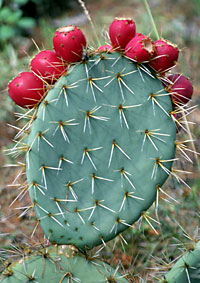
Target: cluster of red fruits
{"type": "Point", "coordinates": [29, 88]}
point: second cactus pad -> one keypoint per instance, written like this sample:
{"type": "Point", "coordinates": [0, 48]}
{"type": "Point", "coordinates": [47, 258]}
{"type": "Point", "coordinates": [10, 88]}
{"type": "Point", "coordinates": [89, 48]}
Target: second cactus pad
{"type": "Point", "coordinates": [100, 146]}
{"type": "Point", "coordinates": [60, 265]}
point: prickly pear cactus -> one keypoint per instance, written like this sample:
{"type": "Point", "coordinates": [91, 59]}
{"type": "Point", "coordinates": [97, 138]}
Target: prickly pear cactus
{"type": "Point", "coordinates": [59, 265]}
{"type": "Point", "coordinates": [100, 146]}
{"type": "Point", "coordinates": [187, 268]}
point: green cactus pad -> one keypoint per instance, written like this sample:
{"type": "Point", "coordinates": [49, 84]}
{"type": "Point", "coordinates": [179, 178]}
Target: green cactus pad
{"type": "Point", "coordinates": [101, 145]}
{"type": "Point", "coordinates": [60, 265]}
{"type": "Point", "coordinates": [187, 268]}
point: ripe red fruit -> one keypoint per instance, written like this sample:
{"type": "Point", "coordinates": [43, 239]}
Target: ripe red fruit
{"type": "Point", "coordinates": [165, 56]}
{"type": "Point", "coordinates": [139, 48]}
{"type": "Point", "coordinates": [47, 65]}
{"type": "Point", "coordinates": [26, 89]}
{"type": "Point", "coordinates": [180, 87]}
{"type": "Point", "coordinates": [106, 48]}
{"type": "Point", "coordinates": [121, 31]}
{"type": "Point", "coordinates": [69, 42]}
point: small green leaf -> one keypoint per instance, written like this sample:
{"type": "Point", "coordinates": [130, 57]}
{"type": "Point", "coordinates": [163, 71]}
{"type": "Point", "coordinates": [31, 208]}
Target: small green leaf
{"type": "Point", "coordinates": [4, 13]}
{"type": "Point", "coordinates": [26, 22]}
{"type": "Point", "coordinates": [6, 32]}
{"type": "Point", "coordinates": [20, 2]}
{"type": "Point", "coordinates": [13, 17]}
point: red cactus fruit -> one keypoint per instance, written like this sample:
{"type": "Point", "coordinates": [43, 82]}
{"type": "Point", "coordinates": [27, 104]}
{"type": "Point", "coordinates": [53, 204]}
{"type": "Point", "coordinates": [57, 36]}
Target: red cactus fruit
{"type": "Point", "coordinates": [69, 42]}
{"type": "Point", "coordinates": [180, 87]}
{"type": "Point", "coordinates": [106, 48]}
{"type": "Point", "coordinates": [140, 48]}
{"type": "Point", "coordinates": [165, 56]}
{"type": "Point", "coordinates": [121, 31]}
{"type": "Point", "coordinates": [26, 89]}
{"type": "Point", "coordinates": [47, 65]}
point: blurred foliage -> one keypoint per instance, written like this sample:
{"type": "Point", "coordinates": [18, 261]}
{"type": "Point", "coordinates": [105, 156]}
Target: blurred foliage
{"type": "Point", "coordinates": [19, 17]}
{"type": "Point", "coordinates": [13, 22]}
{"type": "Point", "coordinates": [10, 66]}
{"type": "Point", "coordinates": [47, 8]}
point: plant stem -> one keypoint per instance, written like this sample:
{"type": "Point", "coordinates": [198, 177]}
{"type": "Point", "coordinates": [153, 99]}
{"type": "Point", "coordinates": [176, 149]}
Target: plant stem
{"type": "Point", "coordinates": [151, 18]}
{"type": "Point", "coordinates": [82, 3]}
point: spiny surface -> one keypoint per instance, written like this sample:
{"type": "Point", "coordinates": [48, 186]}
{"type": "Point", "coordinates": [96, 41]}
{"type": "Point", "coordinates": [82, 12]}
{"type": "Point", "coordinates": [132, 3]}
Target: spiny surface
{"type": "Point", "coordinates": [187, 268]}
{"type": "Point", "coordinates": [98, 150]}
{"type": "Point", "coordinates": [59, 265]}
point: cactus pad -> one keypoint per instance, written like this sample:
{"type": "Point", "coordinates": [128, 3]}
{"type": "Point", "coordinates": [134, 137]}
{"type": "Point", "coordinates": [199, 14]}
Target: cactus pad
{"type": "Point", "coordinates": [59, 265]}
{"type": "Point", "coordinates": [187, 268]}
{"type": "Point", "coordinates": [100, 146]}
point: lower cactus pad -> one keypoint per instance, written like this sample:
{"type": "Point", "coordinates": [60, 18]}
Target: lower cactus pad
{"type": "Point", "coordinates": [58, 265]}
{"type": "Point", "coordinates": [187, 268]}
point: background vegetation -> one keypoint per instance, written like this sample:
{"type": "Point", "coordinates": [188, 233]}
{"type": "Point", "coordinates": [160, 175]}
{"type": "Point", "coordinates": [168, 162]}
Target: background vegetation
{"type": "Point", "coordinates": [149, 251]}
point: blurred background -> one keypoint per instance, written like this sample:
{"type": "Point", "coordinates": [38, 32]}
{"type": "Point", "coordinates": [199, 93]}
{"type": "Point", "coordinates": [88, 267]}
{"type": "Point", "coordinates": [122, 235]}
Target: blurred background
{"type": "Point", "coordinates": [27, 23]}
